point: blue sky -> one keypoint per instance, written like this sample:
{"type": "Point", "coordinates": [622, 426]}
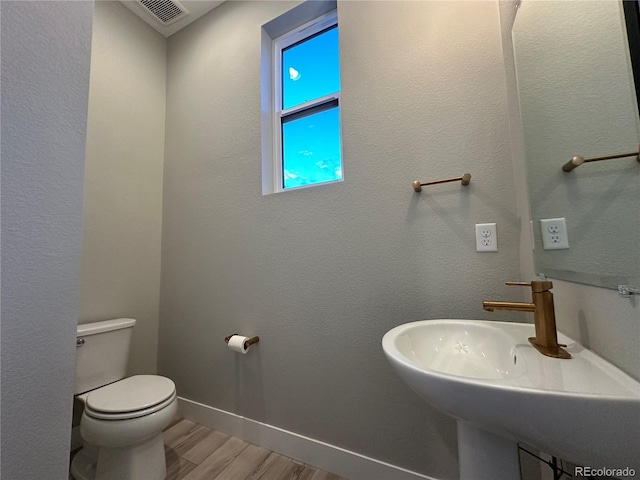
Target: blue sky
{"type": "Point", "coordinates": [311, 144]}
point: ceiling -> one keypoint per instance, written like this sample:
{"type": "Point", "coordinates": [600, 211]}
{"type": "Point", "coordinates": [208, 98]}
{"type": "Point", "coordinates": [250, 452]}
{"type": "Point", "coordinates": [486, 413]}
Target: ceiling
{"type": "Point", "coordinates": [193, 10]}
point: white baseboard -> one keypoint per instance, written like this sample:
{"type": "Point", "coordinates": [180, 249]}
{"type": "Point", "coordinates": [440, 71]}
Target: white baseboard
{"type": "Point", "coordinates": [324, 456]}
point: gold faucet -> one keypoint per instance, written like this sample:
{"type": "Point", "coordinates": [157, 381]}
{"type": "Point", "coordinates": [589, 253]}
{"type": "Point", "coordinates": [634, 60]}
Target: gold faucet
{"type": "Point", "coordinates": [546, 339]}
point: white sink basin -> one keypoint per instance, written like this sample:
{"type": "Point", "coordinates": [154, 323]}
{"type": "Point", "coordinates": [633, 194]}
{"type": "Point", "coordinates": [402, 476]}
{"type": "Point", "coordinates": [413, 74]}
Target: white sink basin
{"type": "Point", "coordinates": [486, 374]}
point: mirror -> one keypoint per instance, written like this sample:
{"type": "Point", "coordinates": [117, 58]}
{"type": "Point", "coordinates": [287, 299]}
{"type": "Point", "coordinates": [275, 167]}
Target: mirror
{"type": "Point", "coordinates": [577, 97]}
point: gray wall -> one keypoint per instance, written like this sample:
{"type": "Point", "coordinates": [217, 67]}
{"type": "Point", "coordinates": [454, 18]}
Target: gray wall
{"type": "Point", "coordinates": [45, 82]}
{"type": "Point", "coordinates": [322, 273]}
{"type": "Point", "coordinates": [123, 178]}
{"type": "Point", "coordinates": [602, 321]}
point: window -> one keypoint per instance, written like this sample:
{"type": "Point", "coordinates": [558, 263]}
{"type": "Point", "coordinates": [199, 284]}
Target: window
{"type": "Point", "coordinates": [304, 107]}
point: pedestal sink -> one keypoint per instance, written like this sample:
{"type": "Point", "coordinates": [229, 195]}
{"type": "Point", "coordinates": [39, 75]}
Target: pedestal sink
{"type": "Point", "coordinates": [502, 391]}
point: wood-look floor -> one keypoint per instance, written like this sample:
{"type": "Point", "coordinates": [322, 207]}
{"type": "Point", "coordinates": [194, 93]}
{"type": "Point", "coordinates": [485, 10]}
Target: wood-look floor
{"type": "Point", "coordinates": [195, 452]}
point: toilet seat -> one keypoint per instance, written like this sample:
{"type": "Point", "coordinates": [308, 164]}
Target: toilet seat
{"type": "Point", "coordinates": [132, 397]}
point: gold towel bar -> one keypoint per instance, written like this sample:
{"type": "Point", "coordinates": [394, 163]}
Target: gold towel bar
{"type": "Point", "coordinates": [578, 160]}
{"type": "Point", "coordinates": [464, 180]}
{"type": "Point", "coordinates": [247, 344]}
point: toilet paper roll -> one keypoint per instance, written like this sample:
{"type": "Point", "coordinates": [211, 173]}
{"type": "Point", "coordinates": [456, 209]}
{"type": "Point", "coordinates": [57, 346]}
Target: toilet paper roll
{"type": "Point", "coordinates": [237, 342]}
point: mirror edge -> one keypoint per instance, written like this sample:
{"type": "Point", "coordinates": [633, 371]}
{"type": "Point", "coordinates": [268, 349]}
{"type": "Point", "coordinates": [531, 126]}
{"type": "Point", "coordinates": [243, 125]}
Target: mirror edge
{"type": "Point", "coordinates": [631, 10]}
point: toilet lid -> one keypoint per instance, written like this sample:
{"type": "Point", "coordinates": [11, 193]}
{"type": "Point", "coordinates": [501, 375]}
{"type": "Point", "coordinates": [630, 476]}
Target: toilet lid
{"type": "Point", "coordinates": [139, 392]}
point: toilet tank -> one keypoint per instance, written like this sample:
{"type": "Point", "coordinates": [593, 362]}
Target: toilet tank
{"type": "Point", "coordinates": [102, 353]}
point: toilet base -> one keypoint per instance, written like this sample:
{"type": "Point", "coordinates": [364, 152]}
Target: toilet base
{"type": "Point", "coordinates": [144, 461]}
{"type": "Point", "coordinates": [83, 465]}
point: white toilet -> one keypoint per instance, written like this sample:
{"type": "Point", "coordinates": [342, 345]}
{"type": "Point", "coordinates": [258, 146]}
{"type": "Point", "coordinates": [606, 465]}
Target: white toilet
{"type": "Point", "coordinates": [123, 418]}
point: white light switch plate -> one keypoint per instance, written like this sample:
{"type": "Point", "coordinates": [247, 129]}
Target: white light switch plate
{"type": "Point", "coordinates": [486, 237]}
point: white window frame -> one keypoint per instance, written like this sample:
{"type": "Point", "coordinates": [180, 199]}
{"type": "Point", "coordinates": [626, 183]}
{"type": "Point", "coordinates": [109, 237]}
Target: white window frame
{"type": "Point", "coordinates": [280, 43]}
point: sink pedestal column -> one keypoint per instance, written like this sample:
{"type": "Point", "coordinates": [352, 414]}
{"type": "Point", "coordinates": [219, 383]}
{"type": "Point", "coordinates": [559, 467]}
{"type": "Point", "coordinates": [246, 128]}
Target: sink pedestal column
{"type": "Point", "coordinates": [484, 455]}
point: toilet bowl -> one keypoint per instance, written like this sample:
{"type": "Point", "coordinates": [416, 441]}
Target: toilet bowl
{"type": "Point", "coordinates": [123, 420]}
{"type": "Point", "coordinates": [122, 425]}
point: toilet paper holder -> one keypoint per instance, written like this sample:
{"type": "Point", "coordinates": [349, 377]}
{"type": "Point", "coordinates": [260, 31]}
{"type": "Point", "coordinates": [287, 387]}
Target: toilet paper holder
{"type": "Point", "coordinates": [247, 344]}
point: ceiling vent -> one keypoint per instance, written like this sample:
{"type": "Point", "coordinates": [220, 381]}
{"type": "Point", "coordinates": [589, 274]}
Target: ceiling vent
{"type": "Point", "coordinates": [165, 11]}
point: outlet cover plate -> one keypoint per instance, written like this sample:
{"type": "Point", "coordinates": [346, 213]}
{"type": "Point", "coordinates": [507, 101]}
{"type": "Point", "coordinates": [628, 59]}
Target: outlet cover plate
{"type": "Point", "coordinates": [554, 233]}
{"type": "Point", "coordinates": [486, 237]}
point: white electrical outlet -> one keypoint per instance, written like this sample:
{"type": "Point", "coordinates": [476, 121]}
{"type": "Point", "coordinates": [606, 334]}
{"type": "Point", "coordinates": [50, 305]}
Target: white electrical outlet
{"type": "Point", "coordinates": [486, 237]}
{"type": "Point", "coordinates": [554, 234]}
